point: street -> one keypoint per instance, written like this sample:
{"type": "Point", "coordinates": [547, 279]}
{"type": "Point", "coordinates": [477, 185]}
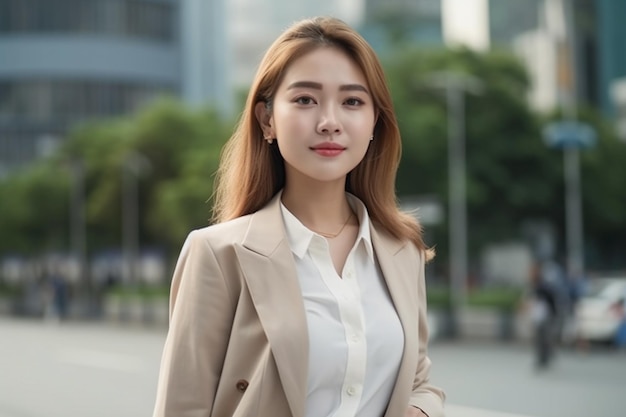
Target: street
{"type": "Point", "coordinates": [501, 377]}
{"type": "Point", "coordinates": [96, 369]}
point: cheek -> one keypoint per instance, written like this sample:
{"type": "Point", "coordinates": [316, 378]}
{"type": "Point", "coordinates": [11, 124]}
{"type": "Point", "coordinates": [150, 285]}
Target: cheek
{"type": "Point", "coordinates": [286, 122]}
{"type": "Point", "coordinates": [369, 122]}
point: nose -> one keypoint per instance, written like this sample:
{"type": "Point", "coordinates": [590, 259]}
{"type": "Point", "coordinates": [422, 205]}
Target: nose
{"type": "Point", "coordinates": [328, 123]}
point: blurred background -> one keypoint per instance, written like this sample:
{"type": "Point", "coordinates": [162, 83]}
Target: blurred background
{"type": "Point", "coordinates": [513, 117]}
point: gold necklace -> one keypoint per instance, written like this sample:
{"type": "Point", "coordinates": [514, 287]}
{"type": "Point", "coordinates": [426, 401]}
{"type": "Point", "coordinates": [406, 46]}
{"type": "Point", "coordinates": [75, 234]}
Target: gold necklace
{"type": "Point", "coordinates": [330, 235]}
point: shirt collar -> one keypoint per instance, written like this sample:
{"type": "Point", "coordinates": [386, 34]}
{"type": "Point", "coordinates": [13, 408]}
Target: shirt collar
{"type": "Point", "coordinates": [300, 237]}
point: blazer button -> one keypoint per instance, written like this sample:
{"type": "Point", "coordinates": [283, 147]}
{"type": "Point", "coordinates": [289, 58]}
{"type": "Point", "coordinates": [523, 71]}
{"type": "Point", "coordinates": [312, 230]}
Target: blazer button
{"type": "Point", "coordinates": [242, 385]}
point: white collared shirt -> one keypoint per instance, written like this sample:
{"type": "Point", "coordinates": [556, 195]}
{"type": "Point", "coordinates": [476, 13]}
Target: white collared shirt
{"type": "Point", "coordinates": [355, 336]}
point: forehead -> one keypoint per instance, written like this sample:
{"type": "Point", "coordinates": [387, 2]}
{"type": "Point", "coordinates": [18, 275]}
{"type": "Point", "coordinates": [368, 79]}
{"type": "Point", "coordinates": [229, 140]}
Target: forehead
{"type": "Point", "coordinates": [325, 65]}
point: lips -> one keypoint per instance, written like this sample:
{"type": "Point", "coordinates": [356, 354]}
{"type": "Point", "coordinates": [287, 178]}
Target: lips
{"type": "Point", "coordinates": [328, 149]}
{"type": "Point", "coordinates": [329, 146]}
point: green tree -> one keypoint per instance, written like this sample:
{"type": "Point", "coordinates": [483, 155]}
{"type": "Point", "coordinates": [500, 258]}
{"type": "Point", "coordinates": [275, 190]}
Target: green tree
{"type": "Point", "coordinates": [170, 150]}
{"type": "Point", "coordinates": [34, 210]}
{"type": "Point", "coordinates": [511, 175]}
{"type": "Point", "coordinates": [182, 202]}
{"type": "Point", "coordinates": [603, 172]}
{"type": "Point", "coordinates": [99, 147]}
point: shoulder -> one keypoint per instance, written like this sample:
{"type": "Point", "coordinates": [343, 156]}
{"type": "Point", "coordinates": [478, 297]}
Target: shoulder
{"type": "Point", "coordinates": [384, 239]}
{"type": "Point", "coordinates": [259, 231]}
{"type": "Point", "coordinates": [210, 252]}
{"type": "Point", "coordinates": [220, 235]}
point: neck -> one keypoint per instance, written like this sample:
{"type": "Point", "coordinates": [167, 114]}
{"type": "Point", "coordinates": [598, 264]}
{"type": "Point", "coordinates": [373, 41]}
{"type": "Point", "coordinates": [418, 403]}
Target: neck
{"type": "Point", "coordinates": [321, 207]}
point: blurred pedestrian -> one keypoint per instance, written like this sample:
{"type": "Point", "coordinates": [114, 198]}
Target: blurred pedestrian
{"type": "Point", "coordinates": [308, 296]}
{"type": "Point", "coordinates": [57, 295]}
{"type": "Point", "coordinates": [560, 285]}
{"type": "Point", "coordinates": [545, 293]}
{"type": "Point", "coordinates": [578, 283]}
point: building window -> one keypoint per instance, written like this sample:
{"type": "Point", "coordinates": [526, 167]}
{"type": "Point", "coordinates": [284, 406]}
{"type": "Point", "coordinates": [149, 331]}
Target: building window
{"type": "Point", "coordinates": [32, 110]}
{"type": "Point", "coordinates": [146, 19]}
{"type": "Point", "coordinates": [43, 100]}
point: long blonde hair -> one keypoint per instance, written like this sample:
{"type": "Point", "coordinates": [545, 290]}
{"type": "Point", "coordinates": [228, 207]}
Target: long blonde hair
{"type": "Point", "coordinates": [251, 172]}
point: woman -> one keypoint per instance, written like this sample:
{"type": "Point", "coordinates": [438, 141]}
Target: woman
{"type": "Point", "coordinates": [307, 296]}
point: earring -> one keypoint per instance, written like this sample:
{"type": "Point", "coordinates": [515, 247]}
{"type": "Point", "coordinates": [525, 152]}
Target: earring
{"type": "Point", "coordinates": [270, 141]}
{"type": "Point", "coordinates": [372, 138]}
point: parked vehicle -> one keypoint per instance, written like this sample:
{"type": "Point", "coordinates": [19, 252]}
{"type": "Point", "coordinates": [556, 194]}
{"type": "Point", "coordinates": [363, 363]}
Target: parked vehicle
{"type": "Point", "coordinates": [602, 309]}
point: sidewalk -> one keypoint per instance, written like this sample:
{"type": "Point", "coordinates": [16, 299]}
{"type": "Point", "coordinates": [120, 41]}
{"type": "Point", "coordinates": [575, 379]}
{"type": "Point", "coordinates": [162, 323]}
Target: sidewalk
{"type": "Point", "coordinates": [460, 411]}
{"type": "Point", "coordinates": [485, 324]}
{"type": "Point", "coordinates": [451, 411]}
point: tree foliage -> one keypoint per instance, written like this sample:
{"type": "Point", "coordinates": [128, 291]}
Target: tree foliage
{"type": "Point", "coordinates": [512, 176]}
{"type": "Point", "coordinates": [34, 210]}
{"type": "Point", "coordinates": [169, 150]}
{"type": "Point", "coordinates": [172, 153]}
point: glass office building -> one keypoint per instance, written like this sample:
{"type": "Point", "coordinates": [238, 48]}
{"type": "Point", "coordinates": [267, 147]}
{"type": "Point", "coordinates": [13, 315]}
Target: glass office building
{"type": "Point", "coordinates": [416, 21]}
{"type": "Point", "coordinates": [510, 18]}
{"type": "Point", "coordinates": [67, 61]}
{"type": "Point", "coordinates": [611, 35]}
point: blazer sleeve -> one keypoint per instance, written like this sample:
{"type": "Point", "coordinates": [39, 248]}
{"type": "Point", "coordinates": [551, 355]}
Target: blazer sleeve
{"type": "Point", "coordinates": [201, 314]}
{"type": "Point", "coordinates": [425, 396]}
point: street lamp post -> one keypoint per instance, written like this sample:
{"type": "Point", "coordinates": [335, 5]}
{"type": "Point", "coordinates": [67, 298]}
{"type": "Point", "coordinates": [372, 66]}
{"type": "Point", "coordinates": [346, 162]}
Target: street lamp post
{"type": "Point", "coordinates": [456, 86]}
{"type": "Point", "coordinates": [78, 241]}
{"type": "Point", "coordinates": [571, 136]}
{"type": "Point", "coordinates": [573, 199]}
{"type": "Point", "coordinates": [573, 212]}
{"type": "Point", "coordinates": [134, 165]}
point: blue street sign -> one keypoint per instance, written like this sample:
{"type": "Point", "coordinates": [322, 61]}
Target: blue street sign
{"type": "Point", "coordinates": [569, 134]}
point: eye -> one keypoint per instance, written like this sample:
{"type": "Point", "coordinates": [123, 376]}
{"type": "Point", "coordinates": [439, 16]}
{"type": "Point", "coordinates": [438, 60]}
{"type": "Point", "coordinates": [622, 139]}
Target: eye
{"type": "Point", "coordinates": [354, 101]}
{"type": "Point", "coordinates": [304, 100]}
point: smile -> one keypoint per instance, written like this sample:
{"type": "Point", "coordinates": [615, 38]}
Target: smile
{"type": "Point", "coordinates": [328, 149]}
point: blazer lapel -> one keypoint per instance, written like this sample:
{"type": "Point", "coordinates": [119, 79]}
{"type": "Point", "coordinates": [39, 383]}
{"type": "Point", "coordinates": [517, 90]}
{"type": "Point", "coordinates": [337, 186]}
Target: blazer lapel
{"type": "Point", "coordinates": [394, 258]}
{"type": "Point", "coordinates": [270, 272]}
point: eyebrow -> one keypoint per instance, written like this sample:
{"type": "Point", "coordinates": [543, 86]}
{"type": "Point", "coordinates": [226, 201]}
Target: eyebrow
{"type": "Point", "coordinates": [318, 86]}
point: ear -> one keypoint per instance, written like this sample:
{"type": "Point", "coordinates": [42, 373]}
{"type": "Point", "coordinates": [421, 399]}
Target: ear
{"type": "Point", "coordinates": [264, 117]}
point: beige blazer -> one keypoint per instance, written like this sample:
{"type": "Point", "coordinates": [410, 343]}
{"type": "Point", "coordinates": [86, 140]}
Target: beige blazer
{"type": "Point", "coordinates": [237, 344]}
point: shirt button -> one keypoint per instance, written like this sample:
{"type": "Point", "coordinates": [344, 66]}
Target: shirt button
{"type": "Point", "coordinates": [242, 385]}
{"type": "Point", "coordinates": [351, 391]}
{"type": "Point", "coordinates": [355, 338]}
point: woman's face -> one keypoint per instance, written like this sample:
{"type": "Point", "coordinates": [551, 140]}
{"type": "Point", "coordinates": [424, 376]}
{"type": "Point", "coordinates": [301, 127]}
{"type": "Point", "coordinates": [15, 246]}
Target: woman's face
{"type": "Point", "coordinates": [323, 116]}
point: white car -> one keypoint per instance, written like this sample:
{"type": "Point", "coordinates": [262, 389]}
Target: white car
{"type": "Point", "coordinates": [602, 309]}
